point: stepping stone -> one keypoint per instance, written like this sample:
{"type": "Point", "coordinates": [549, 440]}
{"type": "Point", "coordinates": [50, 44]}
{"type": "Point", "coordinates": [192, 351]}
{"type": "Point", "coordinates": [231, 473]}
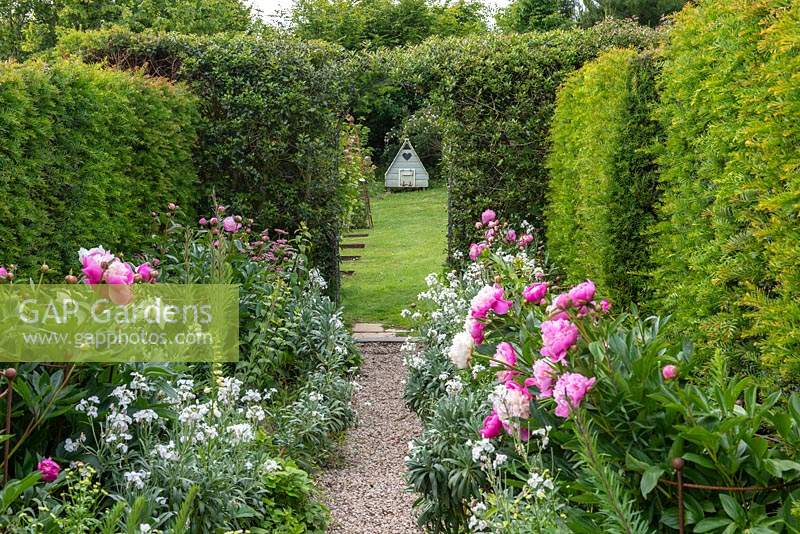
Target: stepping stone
{"type": "Point", "coordinates": [383, 337]}
{"type": "Point", "coordinates": [353, 245]}
{"type": "Point", "coordinates": [356, 235]}
{"type": "Point", "coordinates": [368, 327]}
{"type": "Point", "coordinates": [350, 258]}
{"type": "Point", "coordinates": [347, 273]}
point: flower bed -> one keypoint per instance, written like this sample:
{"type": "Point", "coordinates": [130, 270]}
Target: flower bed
{"type": "Point", "coordinates": [546, 410]}
{"type": "Point", "coordinates": [190, 447]}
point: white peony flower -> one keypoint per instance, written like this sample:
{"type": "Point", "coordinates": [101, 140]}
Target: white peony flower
{"type": "Point", "coordinates": [460, 352]}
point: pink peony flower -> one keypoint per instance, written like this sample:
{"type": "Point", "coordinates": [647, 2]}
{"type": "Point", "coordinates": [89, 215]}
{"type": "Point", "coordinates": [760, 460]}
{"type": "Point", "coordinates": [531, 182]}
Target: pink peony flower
{"type": "Point", "coordinates": [145, 271]}
{"type": "Point", "coordinates": [488, 216]}
{"type": "Point", "coordinates": [475, 250]}
{"type": "Point", "coordinates": [543, 377]}
{"type": "Point", "coordinates": [669, 372]}
{"type": "Point", "coordinates": [605, 305]}
{"type": "Point", "coordinates": [478, 225]}
{"type": "Point", "coordinates": [557, 337]}
{"type": "Point", "coordinates": [563, 301]}
{"type": "Point", "coordinates": [582, 293]}
{"type": "Point", "coordinates": [569, 392]}
{"type": "Point", "coordinates": [3, 272]}
{"type": "Point", "coordinates": [489, 298]}
{"type": "Point", "coordinates": [506, 357]}
{"type": "Point", "coordinates": [49, 469]}
{"type": "Point", "coordinates": [213, 221]}
{"type": "Point", "coordinates": [93, 262]}
{"type": "Point", "coordinates": [119, 272]}
{"type": "Point", "coordinates": [202, 221]}
{"type": "Point", "coordinates": [475, 329]}
{"type": "Point", "coordinates": [492, 426]}
{"type": "Point", "coordinates": [511, 236]}
{"type": "Point", "coordinates": [525, 240]}
{"type": "Point", "coordinates": [230, 225]}
{"type": "Point", "coordinates": [535, 292]}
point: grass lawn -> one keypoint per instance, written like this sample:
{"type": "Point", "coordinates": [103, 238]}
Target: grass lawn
{"type": "Point", "coordinates": [408, 242]}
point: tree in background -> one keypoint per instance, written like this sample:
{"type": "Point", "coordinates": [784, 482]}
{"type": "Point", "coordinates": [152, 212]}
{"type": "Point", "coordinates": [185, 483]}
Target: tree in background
{"type": "Point", "coordinates": [646, 12]}
{"type": "Point", "coordinates": [29, 26]}
{"type": "Point", "coordinates": [357, 24]}
{"type": "Point", "coordinates": [536, 15]}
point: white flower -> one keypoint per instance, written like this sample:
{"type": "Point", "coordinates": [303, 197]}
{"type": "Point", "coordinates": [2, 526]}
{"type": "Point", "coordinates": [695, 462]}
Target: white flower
{"type": "Point", "coordinates": [241, 433]}
{"type": "Point", "coordinates": [88, 406]}
{"type": "Point", "coordinates": [228, 391]}
{"type": "Point", "coordinates": [193, 414]}
{"type": "Point", "coordinates": [315, 396]}
{"type": "Point", "coordinates": [136, 478]}
{"type": "Point", "coordinates": [499, 460]}
{"type": "Point", "coordinates": [454, 386]}
{"type": "Point", "coordinates": [481, 449]}
{"type": "Point", "coordinates": [251, 395]}
{"type": "Point", "coordinates": [167, 452]}
{"type": "Point", "coordinates": [460, 352]}
{"type": "Point", "coordinates": [124, 396]}
{"type": "Point", "coordinates": [144, 528]}
{"type": "Point", "coordinates": [270, 466]}
{"type": "Point", "coordinates": [510, 403]}
{"type": "Point", "coordinates": [139, 383]}
{"type": "Point", "coordinates": [147, 416]}
{"type": "Point", "coordinates": [72, 446]}
{"type": "Point", "coordinates": [255, 413]}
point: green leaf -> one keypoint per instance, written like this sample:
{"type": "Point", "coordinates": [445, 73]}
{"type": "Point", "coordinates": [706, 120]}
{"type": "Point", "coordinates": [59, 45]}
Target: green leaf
{"type": "Point", "coordinates": [732, 508]}
{"type": "Point", "coordinates": [711, 523]}
{"type": "Point", "coordinates": [650, 479]}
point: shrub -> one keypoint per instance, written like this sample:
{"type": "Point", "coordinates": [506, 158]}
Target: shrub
{"type": "Point", "coordinates": [603, 182]}
{"type": "Point", "coordinates": [271, 111]}
{"type": "Point", "coordinates": [87, 153]}
{"type": "Point", "coordinates": [727, 251]}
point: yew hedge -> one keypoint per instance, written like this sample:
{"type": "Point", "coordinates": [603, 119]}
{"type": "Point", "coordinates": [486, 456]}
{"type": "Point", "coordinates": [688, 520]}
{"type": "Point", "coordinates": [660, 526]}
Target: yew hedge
{"type": "Point", "coordinates": [603, 185]}
{"type": "Point", "coordinates": [87, 153]}
{"type": "Point", "coordinates": [728, 250]}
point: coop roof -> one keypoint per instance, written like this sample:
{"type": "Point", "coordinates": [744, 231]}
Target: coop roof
{"type": "Point", "coordinates": [405, 146]}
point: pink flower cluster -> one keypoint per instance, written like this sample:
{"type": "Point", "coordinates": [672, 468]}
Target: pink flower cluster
{"type": "Point", "coordinates": [49, 469]}
{"type": "Point", "coordinates": [505, 357]}
{"type": "Point", "coordinates": [100, 266]}
{"type": "Point", "coordinates": [496, 231]}
{"type": "Point", "coordinates": [569, 392]}
{"type": "Point", "coordinates": [6, 274]}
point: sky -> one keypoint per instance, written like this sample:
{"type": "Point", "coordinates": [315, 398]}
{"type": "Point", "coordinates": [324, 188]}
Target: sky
{"type": "Point", "coordinates": [270, 8]}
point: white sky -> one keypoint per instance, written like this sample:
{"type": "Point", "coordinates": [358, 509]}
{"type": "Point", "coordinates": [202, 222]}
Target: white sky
{"type": "Point", "coordinates": [270, 8]}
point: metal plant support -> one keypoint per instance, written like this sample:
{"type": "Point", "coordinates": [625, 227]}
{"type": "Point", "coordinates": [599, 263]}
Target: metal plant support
{"type": "Point", "coordinates": [678, 464]}
{"type": "Point", "coordinates": [8, 394]}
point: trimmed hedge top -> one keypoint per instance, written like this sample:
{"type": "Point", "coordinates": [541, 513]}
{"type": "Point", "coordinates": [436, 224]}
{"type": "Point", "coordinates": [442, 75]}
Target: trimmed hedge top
{"type": "Point", "coordinates": [87, 154]}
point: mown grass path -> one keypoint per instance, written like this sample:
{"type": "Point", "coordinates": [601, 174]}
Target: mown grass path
{"type": "Point", "coordinates": [407, 243]}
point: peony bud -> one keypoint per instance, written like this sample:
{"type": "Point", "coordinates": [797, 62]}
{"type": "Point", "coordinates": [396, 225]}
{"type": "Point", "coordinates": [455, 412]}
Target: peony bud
{"type": "Point", "coordinates": [669, 372]}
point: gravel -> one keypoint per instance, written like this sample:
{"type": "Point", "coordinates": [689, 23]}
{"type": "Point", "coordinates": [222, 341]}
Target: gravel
{"type": "Point", "coordinates": [366, 491]}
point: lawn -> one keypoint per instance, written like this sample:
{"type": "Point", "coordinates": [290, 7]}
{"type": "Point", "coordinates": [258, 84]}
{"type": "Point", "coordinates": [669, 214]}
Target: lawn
{"type": "Point", "coordinates": [407, 243]}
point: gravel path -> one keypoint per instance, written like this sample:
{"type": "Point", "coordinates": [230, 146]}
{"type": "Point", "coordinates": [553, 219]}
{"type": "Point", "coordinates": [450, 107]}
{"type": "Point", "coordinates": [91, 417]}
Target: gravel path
{"type": "Point", "coordinates": [366, 491]}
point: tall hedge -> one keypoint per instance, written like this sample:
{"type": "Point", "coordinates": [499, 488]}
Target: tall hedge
{"type": "Point", "coordinates": [728, 250]}
{"type": "Point", "coordinates": [603, 185]}
{"type": "Point", "coordinates": [270, 118]}
{"type": "Point", "coordinates": [497, 98]}
{"type": "Point", "coordinates": [86, 155]}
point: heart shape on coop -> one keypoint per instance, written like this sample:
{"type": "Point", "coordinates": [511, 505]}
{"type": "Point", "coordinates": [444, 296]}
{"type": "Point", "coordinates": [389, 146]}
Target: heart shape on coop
{"type": "Point", "coordinates": [406, 156]}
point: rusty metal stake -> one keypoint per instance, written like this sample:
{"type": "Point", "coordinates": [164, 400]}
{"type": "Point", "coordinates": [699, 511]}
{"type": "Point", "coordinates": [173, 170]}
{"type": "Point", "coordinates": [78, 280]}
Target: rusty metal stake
{"type": "Point", "coordinates": [10, 375]}
{"type": "Point", "coordinates": [678, 464]}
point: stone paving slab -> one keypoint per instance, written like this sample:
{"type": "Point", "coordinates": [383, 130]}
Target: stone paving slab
{"type": "Point", "coordinates": [368, 327]}
{"type": "Point", "coordinates": [383, 337]}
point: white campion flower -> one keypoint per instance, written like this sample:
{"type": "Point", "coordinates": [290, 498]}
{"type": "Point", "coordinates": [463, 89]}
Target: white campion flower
{"type": "Point", "coordinates": [124, 396]}
{"type": "Point", "coordinates": [255, 413]}
{"type": "Point", "coordinates": [460, 352]}
{"type": "Point", "coordinates": [251, 395]}
{"type": "Point", "coordinates": [88, 406]}
{"type": "Point", "coordinates": [228, 391]}
{"type": "Point", "coordinates": [315, 396]}
{"type": "Point", "coordinates": [73, 445]}
{"type": "Point", "coordinates": [193, 414]}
